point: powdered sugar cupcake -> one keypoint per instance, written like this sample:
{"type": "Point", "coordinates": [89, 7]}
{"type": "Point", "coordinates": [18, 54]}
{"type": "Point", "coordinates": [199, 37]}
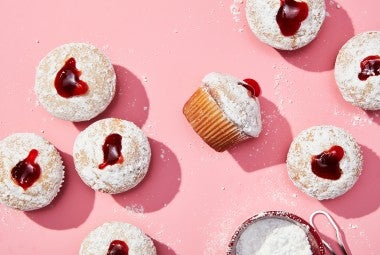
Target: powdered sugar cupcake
{"type": "Point", "coordinates": [357, 70]}
{"type": "Point", "coordinates": [285, 24]}
{"type": "Point", "coordinates": [112, 155]}
{"type": "Point", "coordinates": [75, 82]}
{"type": "Point", "coordinates": [224, 110]}
{"type": "Point", "coordinates": [117, 238]}
{"type": "Point", "coordinates": [324, 161]}
{"type": "Point", "coordinates": [31, 171]}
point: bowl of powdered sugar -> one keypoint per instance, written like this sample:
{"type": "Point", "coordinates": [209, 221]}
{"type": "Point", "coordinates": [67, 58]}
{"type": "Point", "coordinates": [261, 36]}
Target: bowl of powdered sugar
{"type": "Point", "coordinates": [275, 232]}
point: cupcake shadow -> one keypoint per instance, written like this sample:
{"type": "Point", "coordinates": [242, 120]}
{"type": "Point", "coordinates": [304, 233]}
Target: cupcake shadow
{"type": "Point", "coordinates": [73, 204]}
{"type": "Point", "coordinates": [272, 145]}
{"type": "Point", "coordinates": [362, 199]}
{"type": "Point", "coordinates": [130, 102]}
{"type": "Point", "coordinates": [320, 54]}
{"type": "Point", "coordinates": [163, 249]}
{"type": "Point", "coordinates": [160, 185]}
{"type": "Point", "coordinates": [374, 115]}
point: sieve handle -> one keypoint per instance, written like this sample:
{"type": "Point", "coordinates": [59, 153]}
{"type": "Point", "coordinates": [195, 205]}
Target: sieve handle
{"type": "Point", "coordinates": [337, 232]}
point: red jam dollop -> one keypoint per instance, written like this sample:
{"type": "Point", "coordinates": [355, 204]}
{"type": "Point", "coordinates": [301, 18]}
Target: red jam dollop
{"type": "Point", "coordinates": [290, 15]}
{"type": "Point", "coordinates": [370, 66]}
{"type": "Point", "coordinates": [252, 86]}
{"type": "Point", "coordinates": [326, 164]}
{"type": "Point", "coordinates": [67, 82]}
{"type": "Point", "coordinates": [118, 247]}
{"type": "Point", "coordinates": [27, 171]}
{"type": "Point", "coordinates": [112, 151]}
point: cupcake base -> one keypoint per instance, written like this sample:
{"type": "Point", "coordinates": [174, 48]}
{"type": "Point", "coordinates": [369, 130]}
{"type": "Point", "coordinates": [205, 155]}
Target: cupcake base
{"type": "Point", "coordinates": [209, 122]}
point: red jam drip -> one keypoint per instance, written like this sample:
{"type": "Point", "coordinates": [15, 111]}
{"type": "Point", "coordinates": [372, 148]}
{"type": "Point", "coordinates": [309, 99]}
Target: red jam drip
{"type": "Point", "coordinates": [290, 15]}
{"type": "Point", "coordinates": [326, 164]}
{"type": "Point", "coordinates": [118, 247]}
{"type": "Point", "coordinates": [370, 66]}
{"type": "Point", "coordinates": [67, 82]}
{"type": "Point", "coordinates": [112, 151]}
{"type": "Point", "coordinates": [252, 86]}
{"type": "Point", "coordinates": [27, 171]}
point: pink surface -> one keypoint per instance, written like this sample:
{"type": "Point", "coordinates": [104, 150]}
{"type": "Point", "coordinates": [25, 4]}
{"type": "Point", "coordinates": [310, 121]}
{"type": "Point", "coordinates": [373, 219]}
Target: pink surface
{"type": "Point", "coordinates": [193, 199]}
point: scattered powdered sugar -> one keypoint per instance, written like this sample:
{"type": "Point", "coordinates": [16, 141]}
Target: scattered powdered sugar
{"type": "Point", "coordinates": [237, 15]}
{"type": "Point", "coordinates": [235, 102]}
{"type": "Point", "coordinates": [273, 236]}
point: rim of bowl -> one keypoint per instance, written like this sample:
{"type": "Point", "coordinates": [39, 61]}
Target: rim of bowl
{"type": "Point", "coordinates": [314, 239]}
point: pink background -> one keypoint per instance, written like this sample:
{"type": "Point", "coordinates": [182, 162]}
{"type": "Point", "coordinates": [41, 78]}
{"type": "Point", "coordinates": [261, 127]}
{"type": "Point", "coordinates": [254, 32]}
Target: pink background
{"type": "Point", "coordinates": [193, 198]}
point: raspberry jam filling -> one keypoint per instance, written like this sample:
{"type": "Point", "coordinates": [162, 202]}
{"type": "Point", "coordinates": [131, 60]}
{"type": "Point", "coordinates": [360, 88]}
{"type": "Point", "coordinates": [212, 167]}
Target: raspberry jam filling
{"type": "Point", "coordinates": [27, 171]}
{"type": "Point", "coordinates": [67, 82]}
{"type": "Point", "coordinates": [112, 151]}
{"type": "Point", "coordinates": [370, 66]}
{"type": "Point", "coordinates": [252, 86]}
{"type": "Point", "coordinates": [326, 164]}
{"type": "Point", "coordinates": [290, 15]}
{"type": "Point", "coordinates": [118, 247]}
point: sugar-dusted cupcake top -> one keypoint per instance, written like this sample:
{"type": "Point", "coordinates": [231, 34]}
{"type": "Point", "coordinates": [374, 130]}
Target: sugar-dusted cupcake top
{"type": "Point", "coordinates": [285, 24]}
{"type": "Point", "coordinates": [357, 70]}
{"type": "Point", "coordinates": [75, 82]}
{"type": "Point", "coordinates": [324, 161]}
{"type": "Point", "coordinates": [112, 155]}
{"type": "Point", "coordinates": [31, 171]}
{"type": "Point", "coordinates": [117, 238]}
{"type": "Point", "coordinates": [237, 103]}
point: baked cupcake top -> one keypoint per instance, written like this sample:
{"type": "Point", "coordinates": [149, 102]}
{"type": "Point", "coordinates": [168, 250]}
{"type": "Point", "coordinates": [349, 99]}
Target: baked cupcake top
{"type": "Point", "coordinates": [75, 82]}
{"type": "Point", "coordinates": [237, 102]}
{"type": "Point", "coordinates": [357, 70]}
{"type": "Point", "coordinates": [31, 171]}
{"type": "Point", "coordinates": [324, 161]}
{"type": "Point", "coordinates": [285, 24]}
{"type": "Point", "coordinates": [112, 155]}
{"type": "Point", "coordinates": [117, 238]}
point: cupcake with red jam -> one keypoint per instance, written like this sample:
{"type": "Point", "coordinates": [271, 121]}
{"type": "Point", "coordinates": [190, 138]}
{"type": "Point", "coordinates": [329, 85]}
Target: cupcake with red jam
{"type": "Point", "coordinates": [324, 162]}
{"type": "Point", "coordinates": [285, 24]}
{"type": "Point", "coordinates": [112, 155]}
{"type": "Point", "coordinates": [75, 82]}
{"type": "Point", "coordinates": [31, 171]}
{"type": "Point", "coordinates": [117, 238]}
{"type": "Point", "coordinates": [357, 70]}
{"type": "Point", "coordinates": [224, 110]}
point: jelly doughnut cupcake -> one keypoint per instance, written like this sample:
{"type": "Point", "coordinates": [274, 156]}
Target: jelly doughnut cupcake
{"type": "Point", "coordinates": [117, 238]}
{"type": "Point", "coordinates": [75, 82]}
{"type": "Point", "coordinates": [224, 110]}
{"type": "Point", "coordinates": [324, 161]}
{"type": "Point", "coordinates": [285, 24]}
{"type": "Point", "coordinates": [112, 155]}
{"type": "Point", "coordinates": [357, 70]}
{"type": "Point", "coordinates": [31, 171]}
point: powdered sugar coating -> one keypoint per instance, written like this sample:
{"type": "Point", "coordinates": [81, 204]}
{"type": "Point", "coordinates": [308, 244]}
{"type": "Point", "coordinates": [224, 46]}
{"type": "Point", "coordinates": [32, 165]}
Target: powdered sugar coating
{"type": "Point", "coordinates": [16, 148]}
{"type": "Point", "coordinates": [96, 70]}
{"type": "Point", "coordinates": [314, 141]}
{"type": "Point", "coordinates": [273, 236]}
{"type": "Point", "coordinates": [119, 177]}
{"type": "Point", "coordinates": [98, 241]}
{"type": "Point", "coordinates": [364, 94]}
{"type": "Point", "coordinates": [235, 102]}
{"type": "Point", "coordinates": [261, 16]}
